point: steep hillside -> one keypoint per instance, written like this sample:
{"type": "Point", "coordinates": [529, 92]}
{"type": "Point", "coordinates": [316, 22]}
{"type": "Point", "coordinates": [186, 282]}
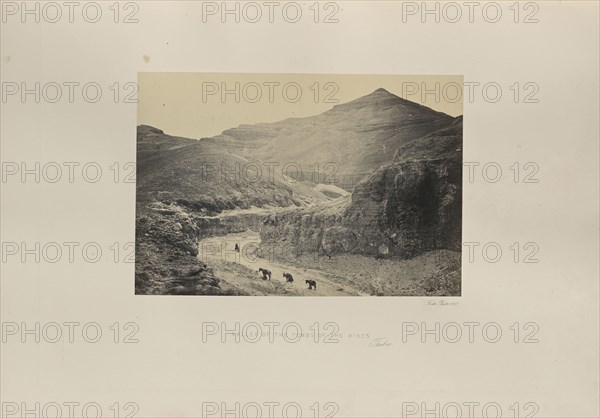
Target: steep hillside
{"type": "Point", "coordinates": [405, 208]}
{"type": "Point", "coordinates": [202, 176]}
{"type": "Point", "coordinates": [348, 142]}
{"type": "Point", "coordinates": [183, 186]}
{"type": "Point", "coordinates": [415, 203]}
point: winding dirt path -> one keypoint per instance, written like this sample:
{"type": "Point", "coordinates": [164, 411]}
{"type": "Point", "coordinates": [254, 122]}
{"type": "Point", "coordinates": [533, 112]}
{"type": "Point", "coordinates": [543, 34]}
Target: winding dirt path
{"type": "Point", "coordinates": [240, 270]}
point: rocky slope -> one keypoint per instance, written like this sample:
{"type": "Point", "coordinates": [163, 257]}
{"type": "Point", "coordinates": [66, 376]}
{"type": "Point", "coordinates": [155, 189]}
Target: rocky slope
{"type": "Point", "coordinates": [405, 208]}
{"type": "Point", "coordinates": [182, 189]}
{"type": "Point", "coordinates": [348, 142]}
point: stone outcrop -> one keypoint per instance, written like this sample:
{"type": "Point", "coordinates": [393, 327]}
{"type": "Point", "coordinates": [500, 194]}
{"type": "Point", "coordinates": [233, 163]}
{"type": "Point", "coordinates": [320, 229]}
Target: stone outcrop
{"type": "Point", "coordinates": [405, 208]}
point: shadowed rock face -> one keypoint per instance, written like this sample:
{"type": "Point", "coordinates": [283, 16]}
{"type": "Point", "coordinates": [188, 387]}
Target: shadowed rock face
{"type": "Point", "coordinates": [166, 249]}
{"type": "Point", "coordinates": [405, 208]}
{"type": "Point", "coordinates": [417, 199]}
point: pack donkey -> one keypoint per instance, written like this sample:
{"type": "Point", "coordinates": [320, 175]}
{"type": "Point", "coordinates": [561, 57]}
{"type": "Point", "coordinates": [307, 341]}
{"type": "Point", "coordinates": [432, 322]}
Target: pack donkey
{"type": "Point", "coordinates": [312, 285]}
{"type": "Point", "coordinates": [266, 274]}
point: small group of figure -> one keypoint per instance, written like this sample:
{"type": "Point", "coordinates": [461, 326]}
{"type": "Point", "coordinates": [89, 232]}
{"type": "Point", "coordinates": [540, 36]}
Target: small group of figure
{"type": "Point", "coordinates": [266, 275]}
{"type": "Point", "coordinates": [312, 285]}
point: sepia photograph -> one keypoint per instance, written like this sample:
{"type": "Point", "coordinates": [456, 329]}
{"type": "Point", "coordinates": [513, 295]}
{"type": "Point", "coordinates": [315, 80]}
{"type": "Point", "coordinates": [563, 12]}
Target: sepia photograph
{"type": "Point", "coordinates": [360, 197]}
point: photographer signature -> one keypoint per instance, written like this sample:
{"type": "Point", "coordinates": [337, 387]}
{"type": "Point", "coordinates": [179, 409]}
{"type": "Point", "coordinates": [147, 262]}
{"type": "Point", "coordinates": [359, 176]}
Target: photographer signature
{"type": "Point", "coordinates": [441, 302]}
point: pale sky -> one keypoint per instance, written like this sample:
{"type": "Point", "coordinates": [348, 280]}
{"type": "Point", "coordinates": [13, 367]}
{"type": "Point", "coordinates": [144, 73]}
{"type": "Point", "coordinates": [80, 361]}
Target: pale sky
{"type": "Point", "coordinates": [193, 105]}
